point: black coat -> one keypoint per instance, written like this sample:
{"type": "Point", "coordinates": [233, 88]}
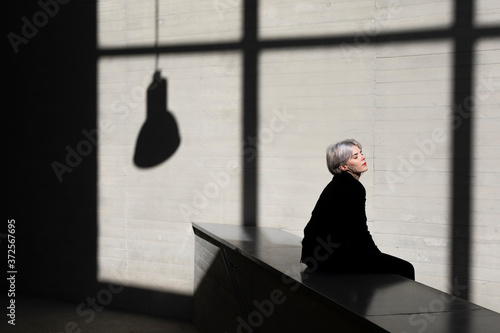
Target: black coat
{"type": "Point", "coordinates": [339, 217]}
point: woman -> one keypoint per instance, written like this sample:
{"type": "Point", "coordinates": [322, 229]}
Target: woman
{"type": "Point", "coordinates": [337, 239]}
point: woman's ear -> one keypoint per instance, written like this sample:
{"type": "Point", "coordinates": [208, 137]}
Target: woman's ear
{"type": "Point", "coordinates": [343, 167]}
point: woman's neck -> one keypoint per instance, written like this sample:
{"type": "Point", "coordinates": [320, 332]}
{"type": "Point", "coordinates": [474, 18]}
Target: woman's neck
{"type": "Point", "coordinates": [354, 174]}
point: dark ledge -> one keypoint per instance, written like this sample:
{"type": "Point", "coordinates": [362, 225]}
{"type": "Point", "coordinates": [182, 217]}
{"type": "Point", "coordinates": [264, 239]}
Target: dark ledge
{"type": "Point", "coordinates": [389, 302]}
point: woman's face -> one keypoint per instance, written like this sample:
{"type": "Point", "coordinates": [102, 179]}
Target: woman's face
{"type": "Point", "coordinates": [357, 163]}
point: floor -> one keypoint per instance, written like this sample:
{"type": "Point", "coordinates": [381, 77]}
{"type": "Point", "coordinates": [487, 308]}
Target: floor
{"type": "Point", "coordinates": [48, 316]}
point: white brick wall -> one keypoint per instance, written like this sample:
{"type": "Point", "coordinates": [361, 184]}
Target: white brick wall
{"type": "Point", "coordinates": [395, 97]}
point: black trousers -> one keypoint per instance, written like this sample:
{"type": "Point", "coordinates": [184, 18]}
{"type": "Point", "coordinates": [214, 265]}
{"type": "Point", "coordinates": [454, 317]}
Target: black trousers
{"type": "Point", "coordinates": [363, 262]}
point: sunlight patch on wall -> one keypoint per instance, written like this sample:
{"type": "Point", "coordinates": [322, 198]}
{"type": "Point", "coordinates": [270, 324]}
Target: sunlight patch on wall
{"type": "Point", "coordinates": [145, 237]}
{"type": "Point", "coordinates": [412, 155]}
{"type": "Point", "coordinates": [361, 19]}
{"type": "Point", "coordinates": [486, 13]}
{"type": "Point", "coordinates": [310, 98]}
{"type": "Point", "coordinates": [130, 23]}
{"type": "Point", "coordinates": [485, 236]}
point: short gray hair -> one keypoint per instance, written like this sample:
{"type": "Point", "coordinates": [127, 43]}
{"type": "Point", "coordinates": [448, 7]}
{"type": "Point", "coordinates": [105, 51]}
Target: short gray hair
{"type": "Point", "coordinates": [339, 153]}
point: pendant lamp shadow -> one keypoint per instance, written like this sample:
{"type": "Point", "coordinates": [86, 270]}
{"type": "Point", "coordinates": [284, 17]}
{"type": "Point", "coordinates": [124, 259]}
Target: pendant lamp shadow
{"type": "Point", "coordinates": [159, 137]}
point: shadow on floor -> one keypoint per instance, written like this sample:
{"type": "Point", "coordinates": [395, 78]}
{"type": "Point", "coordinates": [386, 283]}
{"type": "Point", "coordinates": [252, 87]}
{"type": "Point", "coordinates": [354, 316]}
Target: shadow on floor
{"type": "Point", "coordinates": [36, 315]}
